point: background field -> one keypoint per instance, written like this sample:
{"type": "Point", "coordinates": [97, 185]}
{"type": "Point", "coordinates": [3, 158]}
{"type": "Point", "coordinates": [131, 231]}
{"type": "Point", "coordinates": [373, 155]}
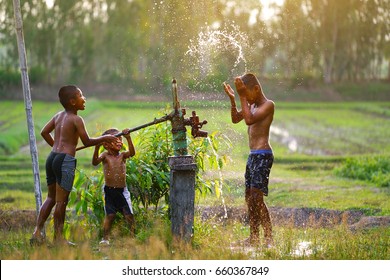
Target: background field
{"type": "Point", "coordinates": [310, 140]}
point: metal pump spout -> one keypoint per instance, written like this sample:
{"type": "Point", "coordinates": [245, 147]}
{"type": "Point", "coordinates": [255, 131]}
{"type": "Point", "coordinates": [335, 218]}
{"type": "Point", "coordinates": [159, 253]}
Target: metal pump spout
{"type": "Point", "coordinates": [196, 125]}
{"type": "Point", "coordinates": [179, 124]}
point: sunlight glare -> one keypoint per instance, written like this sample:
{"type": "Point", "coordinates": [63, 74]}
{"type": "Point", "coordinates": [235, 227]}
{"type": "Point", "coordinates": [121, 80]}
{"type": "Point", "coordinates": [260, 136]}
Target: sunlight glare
{"type": "Point", "coordinates": [49, 3]}
{"type": "Point", "coordinates": [268, 11]}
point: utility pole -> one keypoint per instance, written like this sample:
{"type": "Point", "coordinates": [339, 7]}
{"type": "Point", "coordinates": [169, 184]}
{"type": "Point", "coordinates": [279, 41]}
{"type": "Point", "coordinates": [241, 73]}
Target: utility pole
{"type": "Point", "coordinates": [28, 103]}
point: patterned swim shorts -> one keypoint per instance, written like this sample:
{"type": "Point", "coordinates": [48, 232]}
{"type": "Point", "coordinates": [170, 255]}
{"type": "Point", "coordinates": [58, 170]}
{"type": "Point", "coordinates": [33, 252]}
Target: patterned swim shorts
{"type": "Point", "coordinates": [258, 168]}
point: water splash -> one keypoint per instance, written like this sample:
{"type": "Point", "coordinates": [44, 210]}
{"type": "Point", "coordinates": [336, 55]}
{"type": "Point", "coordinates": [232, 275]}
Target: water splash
{"type": "Point", "coordinates": [220, 182]}
{"type": "Point", "coordinates": [213, 43]}
{"type": "Point", "coordinates": [306, 249]}
{"type": "Point", "coordinates": [303, 249]}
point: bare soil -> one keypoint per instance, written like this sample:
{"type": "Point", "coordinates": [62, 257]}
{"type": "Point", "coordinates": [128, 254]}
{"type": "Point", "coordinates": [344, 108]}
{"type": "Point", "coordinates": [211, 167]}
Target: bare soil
{"type": "Point", "coordinates": [286, 217]}
{"type": "Point", "coordinates": [299, 217]}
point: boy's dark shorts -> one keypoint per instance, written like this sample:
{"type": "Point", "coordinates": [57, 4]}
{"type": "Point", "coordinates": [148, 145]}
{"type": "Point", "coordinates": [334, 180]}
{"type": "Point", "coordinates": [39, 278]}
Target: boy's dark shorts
{"type": "Point", "coordinates": [258, 168]}
{"type": "Point", "coordinates": [117, 200]}
{"type": "Point", "coordinates": [60, 169]}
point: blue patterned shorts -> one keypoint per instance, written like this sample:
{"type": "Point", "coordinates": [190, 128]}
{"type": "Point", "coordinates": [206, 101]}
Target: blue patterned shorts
{"type": "Point", "coordinates": [258, 168]}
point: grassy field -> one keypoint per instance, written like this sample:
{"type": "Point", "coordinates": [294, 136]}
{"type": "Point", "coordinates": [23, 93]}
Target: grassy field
{"type": "Point", "coordinates": [310, 141]}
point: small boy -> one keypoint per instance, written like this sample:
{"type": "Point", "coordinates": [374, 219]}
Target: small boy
{"type": "Point", "coordinates": [116, 194]}
{"type": "Point", "coordinates": [257, 111]}
{"type": "Point", "coordinates": [68, 127]}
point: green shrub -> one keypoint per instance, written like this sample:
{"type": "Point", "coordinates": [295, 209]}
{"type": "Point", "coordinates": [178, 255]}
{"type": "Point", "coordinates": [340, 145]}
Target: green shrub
{"type": "Point", "coordinates": [86, 199]}
{"type": "Point", "coordinates": [375, 169]}
{"type": "Point", "coordinates": [148, 175]}
{"type": "Point", "coordinates": [9, 77]}
{"type": "Point", "coordinates": [148, 172]}
{"type": "Point", "coordinates": [37, 74]}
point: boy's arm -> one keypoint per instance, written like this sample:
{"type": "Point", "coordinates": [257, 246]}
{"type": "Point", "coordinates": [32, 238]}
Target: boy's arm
{"type": "Point", "coordinates": [257, 115]}
{"type": "Point", "coordinates": [87, 141]}
{"type": "Point", "coordinates": [235, 114]}
{"type": "Point", "coordinates": [131, 150]}
{"type": "Point", "coordinates": [96, 158]}
{"type": "Point", "coordinates": [45, 132]}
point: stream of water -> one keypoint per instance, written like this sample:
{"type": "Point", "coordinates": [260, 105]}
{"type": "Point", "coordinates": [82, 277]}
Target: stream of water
{"type": "Point", "coordinates": [212, 43]}
{"type": "Point", "coordinates": [220, 182]}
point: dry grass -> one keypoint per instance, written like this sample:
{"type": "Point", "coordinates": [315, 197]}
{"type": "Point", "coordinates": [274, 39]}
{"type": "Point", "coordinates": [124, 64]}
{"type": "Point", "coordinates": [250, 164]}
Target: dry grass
{"type": "Point", "coordinates": [213, 240]}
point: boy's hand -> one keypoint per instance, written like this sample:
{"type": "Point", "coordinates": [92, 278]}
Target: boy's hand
{"type": "Point", "coordinates": [228, 90]}
{"type": "Point", "coordinates": [240, 86]}
{"type": "Point", "coordinates": [110, 138]}
{"type": "Point", "coordinates": [126, 132]}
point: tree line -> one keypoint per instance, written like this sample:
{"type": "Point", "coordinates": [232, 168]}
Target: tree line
{"type": "Point", "coordinates": [144, 43]}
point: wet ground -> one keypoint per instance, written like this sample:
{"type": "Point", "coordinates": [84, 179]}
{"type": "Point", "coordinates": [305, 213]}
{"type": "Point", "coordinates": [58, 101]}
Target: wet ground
{"type": "Point", "coordinates": [287, 217]}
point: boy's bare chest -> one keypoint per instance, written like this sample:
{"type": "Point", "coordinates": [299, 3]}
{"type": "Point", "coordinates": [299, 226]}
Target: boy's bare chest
{"type": "Point", "coordinates": [114, 160]}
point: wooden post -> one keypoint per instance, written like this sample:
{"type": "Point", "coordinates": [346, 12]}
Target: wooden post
{"type": "Point", "coordinates": [27, 102]}
{"type": "Point", "coordinates": [182, 196]}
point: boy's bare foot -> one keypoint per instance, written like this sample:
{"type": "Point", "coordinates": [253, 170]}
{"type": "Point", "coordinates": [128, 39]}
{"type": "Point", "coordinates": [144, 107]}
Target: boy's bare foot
{"type": "Point", "coordinates": [249, 242]}
{"type": "Point", "coordinates": [37, 239]}
{"type": "Point", "coordinates": [269, 243]}
{"type": "Point", "coordinates": [64, 242]}
{"type": "Point", "coordinates": [104, 242]}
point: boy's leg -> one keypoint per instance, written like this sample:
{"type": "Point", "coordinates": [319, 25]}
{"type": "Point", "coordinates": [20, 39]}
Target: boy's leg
{"type": "Point", "coordinates": [44, 212]}
{"type": "Point", "coordinates": [253, 215]}
{"type": "Point", "coordinates": [262, 215]}
{"type": "Point", "coordinates": [131, 223]}
{"type": "Point", "coordinates": [62, 196]}
{"type": "Point", "coordinates": [108, 220]}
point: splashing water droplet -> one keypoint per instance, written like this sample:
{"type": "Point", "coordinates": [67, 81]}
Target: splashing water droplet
{"type": "Point", "coordinates": [212, 43]}
{"type": "Point", "coordinates": [220, 182]}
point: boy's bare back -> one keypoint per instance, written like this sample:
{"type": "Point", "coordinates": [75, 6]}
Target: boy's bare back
{"type": "Point", "coordinates": [65, 132]}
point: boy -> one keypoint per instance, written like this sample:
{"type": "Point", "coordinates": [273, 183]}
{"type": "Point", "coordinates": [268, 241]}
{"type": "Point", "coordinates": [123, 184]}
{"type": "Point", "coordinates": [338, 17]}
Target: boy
{"type": "Point", "coordinates": [257, 111]}
{"type": "Point", "coordinates": [68, 127]}
{"type": "Point", "coordinates": [116, 194]}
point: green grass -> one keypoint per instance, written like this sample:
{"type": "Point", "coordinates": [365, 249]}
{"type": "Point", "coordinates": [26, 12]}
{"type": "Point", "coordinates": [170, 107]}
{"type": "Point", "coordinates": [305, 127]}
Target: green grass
{"type": "Point", "coordinates": [302, 177]}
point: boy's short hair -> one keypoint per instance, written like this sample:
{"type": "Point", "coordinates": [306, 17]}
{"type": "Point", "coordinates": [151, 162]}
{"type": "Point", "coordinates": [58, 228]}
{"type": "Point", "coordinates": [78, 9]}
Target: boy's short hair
{"type": "Point", "coordinates": [66, 93]}
{"type": "Point", "coordinates": [250, 80]}
{"type": "Point", "coordinates": [111, 131]}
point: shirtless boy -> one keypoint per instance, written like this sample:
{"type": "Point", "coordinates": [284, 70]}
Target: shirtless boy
{"type": "Point", "coordinates": [257, 111]}
{"type": "Point", "coordinates": [68, 127]}
{"type": "Point", "coordinates": [116, 194]}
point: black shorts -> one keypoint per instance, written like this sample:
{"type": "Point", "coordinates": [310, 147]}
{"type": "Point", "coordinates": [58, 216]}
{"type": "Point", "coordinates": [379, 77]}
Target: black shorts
{"type": "Point", "coordinates": [258, 168]}
{"type": "Point", "coordinates": [117, 200]}
{"type": "Point", "coordinates": [60, 169]}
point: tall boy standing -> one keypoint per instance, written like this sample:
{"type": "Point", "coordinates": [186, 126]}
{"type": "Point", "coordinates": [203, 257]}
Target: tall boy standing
{"type": "Point", "coordinates": [257, 111]}
{"type": "Point", "coordinates": [68, 127]}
